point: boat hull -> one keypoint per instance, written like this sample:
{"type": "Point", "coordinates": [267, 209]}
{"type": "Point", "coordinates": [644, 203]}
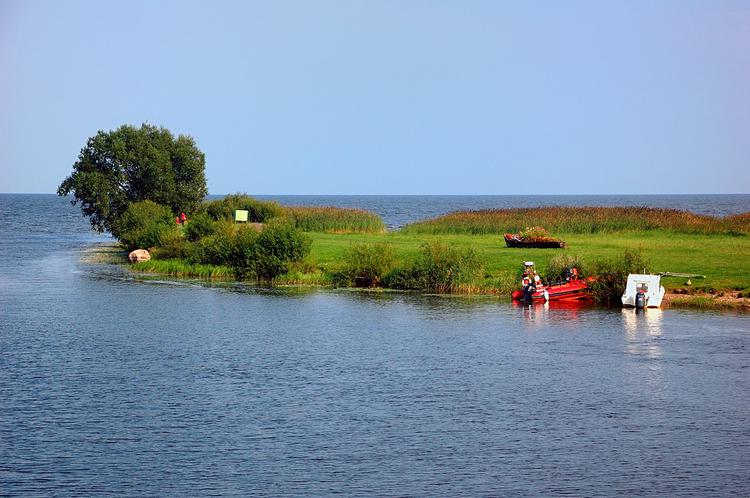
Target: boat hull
{"type": "Point", "coordinates": [539, 244]}
{"type": "Point", "coordinates": [575, 290]}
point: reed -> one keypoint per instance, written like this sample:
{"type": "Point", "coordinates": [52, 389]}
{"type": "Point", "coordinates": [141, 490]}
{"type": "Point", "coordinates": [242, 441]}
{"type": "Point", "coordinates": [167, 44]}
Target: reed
{"type": "Point", "coordinates": [580, 220]}
{"type": "Point", "coordinates": [334, 220]}
{"type": "Point", "coordinates": [181, 268]}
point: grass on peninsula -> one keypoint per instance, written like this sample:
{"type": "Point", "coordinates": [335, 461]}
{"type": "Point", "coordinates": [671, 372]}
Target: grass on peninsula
{"type": "Point", "coordinates": [334, 219]}
{"type": "Point", "coordinates": [579, 220]}
{"type": "Point", "coordinates": [670, 240]}
{"type": "Point", "coordinates": [724, 259]}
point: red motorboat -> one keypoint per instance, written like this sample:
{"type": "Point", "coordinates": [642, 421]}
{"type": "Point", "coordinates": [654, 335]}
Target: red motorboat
{"type": "Point", "coordinates": [533, 290]}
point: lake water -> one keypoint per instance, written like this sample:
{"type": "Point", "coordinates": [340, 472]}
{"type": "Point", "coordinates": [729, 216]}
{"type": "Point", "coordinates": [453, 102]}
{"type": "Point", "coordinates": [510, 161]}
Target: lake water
{"type": "Point", "coordinates": [111, 385]}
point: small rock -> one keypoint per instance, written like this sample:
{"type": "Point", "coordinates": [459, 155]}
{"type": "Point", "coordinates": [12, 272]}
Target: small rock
{"type": "Point", "coordinates": [139, 255]}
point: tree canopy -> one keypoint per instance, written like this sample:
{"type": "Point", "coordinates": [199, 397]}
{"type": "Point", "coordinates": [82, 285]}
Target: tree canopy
{"type": "Point", "coordinates": [128, 165]}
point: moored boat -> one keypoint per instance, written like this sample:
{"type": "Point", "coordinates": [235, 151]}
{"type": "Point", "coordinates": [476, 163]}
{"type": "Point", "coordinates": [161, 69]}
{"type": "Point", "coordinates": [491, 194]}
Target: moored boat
{"type": "Point", "coordinates": [533, 290]}
{"type": "Point", "coordinates": [643, 291]}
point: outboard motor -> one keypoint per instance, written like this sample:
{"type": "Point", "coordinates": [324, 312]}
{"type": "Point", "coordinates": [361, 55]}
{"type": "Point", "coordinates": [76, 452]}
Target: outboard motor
{"type": "Point", "coordinates": [640, 300]}
{"type": "Point", "coordinates": [528, 292]}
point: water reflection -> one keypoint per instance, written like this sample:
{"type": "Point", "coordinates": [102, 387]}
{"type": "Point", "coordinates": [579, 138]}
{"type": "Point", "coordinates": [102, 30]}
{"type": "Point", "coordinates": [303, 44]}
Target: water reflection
{"type": "Point", "coordinates": [554, 312]}
{"type": "Point", "coordinates": [643, 331]}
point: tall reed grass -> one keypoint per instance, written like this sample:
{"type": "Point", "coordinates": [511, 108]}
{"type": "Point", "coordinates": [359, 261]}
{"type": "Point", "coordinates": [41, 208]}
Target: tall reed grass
{"type": "Point", "coordinates": [334, 219]}
{"type": "Point", "coordinates": [181, 268]}
{"type": "Point", "coordinates": [580, 220]}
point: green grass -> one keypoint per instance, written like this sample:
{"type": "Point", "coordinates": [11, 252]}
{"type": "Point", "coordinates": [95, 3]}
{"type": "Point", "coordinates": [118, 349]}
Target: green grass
{"type": "Point", "coordinates": [724, 259]}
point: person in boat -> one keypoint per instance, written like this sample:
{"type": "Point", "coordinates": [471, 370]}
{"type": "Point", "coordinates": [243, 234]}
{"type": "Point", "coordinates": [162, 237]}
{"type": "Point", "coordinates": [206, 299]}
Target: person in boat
{"type": "Point", "coordinates": [530, 281]}
{"type": "Point", "coordinates": [570, 274]}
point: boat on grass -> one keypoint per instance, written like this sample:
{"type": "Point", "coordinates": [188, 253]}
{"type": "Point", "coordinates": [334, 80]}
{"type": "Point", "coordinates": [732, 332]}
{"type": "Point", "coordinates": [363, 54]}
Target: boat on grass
{"type": "Point", "coordinates": [534, 237]}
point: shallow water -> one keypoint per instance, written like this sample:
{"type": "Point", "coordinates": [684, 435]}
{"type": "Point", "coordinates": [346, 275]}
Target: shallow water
{"type": "Point", "coordinates": [111, 385]}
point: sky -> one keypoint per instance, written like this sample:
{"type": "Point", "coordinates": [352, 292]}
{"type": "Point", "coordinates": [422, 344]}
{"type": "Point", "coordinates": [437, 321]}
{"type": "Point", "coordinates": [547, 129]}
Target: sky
{"type": "Point", "coordinates": [389, 97]}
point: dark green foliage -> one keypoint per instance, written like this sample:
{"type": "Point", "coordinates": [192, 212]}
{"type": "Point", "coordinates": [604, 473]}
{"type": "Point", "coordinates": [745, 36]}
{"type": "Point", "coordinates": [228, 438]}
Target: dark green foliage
{"type": "Point", "coordinates": [128, 165]}
{"type": "Point", "coordinates": [144, 225]}
{"type": "Point", "coordinates": [365, 265]}
{"type": "Point", "coordinates": [262, 255]}
{"type": "Point", "coordinates": [243, 252]}
{"type": "Point", "coordinates": [212, 250]}
{"type": "Point", "coordinates": [257, 211]}
{"type": "Point", "coordinates": [278, 245]}
{"type": "Point", "coordinates": [556, 269]}
{"type": "Point", "coordinates": [172, 245]}
{"type": "Point", "coordinates": [612, 276]}
{"type": "Point", "coordinates": [198, 226]}
{"type": "Point", "coordinates": [439, 268]}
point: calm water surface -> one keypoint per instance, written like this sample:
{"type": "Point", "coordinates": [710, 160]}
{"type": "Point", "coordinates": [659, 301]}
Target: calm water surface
{"type": "Point", "coordinates": [116, 386]}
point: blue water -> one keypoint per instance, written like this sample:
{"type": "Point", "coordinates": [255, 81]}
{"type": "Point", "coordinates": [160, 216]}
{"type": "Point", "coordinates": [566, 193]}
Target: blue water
{"type": "Point", "coordinates": [115, 386]}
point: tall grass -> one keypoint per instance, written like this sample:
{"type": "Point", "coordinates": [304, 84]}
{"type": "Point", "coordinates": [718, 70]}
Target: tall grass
{"type": "Point", "coordinates": [334, 219]}
{"type": "Point", "coordinates": [580, 220]}
{"type": "Point", "coordinates": [181, 268]}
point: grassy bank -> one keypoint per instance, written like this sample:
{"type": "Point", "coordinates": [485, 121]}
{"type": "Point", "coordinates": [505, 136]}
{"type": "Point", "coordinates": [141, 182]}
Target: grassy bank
{"type": "Point", "coordinates": [468, 248]}
{"type": "Point", "coordinates": [724, 259]}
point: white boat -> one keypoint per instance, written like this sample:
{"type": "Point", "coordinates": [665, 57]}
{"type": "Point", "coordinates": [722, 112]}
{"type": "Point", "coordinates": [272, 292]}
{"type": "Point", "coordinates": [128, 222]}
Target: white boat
{"type": "Point", "coordinates": [643, 291]}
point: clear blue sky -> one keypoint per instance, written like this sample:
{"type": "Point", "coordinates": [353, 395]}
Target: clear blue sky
{"type": "Point", "coordinates": [389, 97]}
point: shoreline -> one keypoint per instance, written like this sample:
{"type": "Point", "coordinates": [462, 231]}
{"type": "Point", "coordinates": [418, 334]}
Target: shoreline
{"type": "Point", "coordinates": [677, 298]}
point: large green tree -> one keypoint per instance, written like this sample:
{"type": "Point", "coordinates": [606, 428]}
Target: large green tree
{"type": "Point", "coordinates": [127, 165]}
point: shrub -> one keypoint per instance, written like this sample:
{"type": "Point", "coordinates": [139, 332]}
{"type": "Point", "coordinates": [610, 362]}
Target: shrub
{"type": "Point", "coordinates": [403, 278]}
{"type": "Point", "coordinates": [172, 244]}
{"type": "Point", "coordinates": [439, 268]}
{"type": "Point", "coordinates": [558, 267]}
{"type": "Point", "coordinates": [278, 245]}
{"type": "Point", "coordinates": [257, 210]}
{"type": "Point", "coordinates": [267, 254]}
{"type": "Point", "coordinates": [612, 276]}
{"type": "Point", "coordinates": [365, 265]}
{"type": "Point", "coordinates": [243, 252]}
{"type": "Point", "coordinates": [212, 250]}
{"type": "Point", "coordinates": [198, 226]}
{"type": "Point", "coordinates": [143, 224]}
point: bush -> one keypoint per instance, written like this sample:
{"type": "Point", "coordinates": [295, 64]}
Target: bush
{"type": "Point", "coordinates": [612, 276]}
{"type": "Point", "coordinates": [267, 254]}
{"type": "Point", "coordinates": [365, 265]}
{"type": "Point", "coordinates": [243, 252]}
{"type": "Point", "coordinates": [558, 267]}
{"type": "Point", "coordinates": [212, 250]}
{"type": "Point", "coordinates": [278, 245]}
{"type": "Point", "coordinates": [143, 224]}
{"type": "Point", "coordinates": [172, 244]}
{"type": "Point", "coordinates": [257, 211]}
{"type": "Point", "coordinates": [438, 268]}
{"type": "Point", "coordinates": [199, 226]}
